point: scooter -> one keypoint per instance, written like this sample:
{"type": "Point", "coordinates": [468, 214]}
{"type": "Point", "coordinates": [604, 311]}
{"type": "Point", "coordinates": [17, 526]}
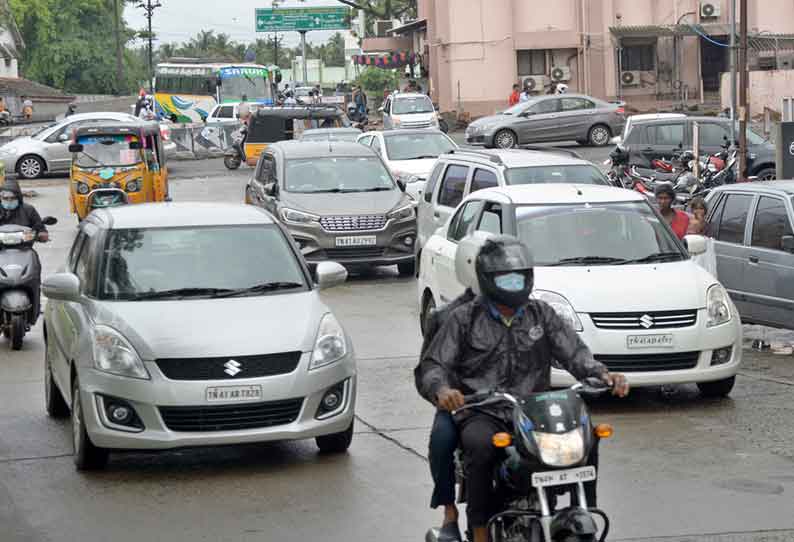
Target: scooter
{"type": "Point", "coordinates": [20, 281]}
{"type": "Point", "coordinates": [545, 455]}
{"type": "Point", "coordinates": [234, 156]}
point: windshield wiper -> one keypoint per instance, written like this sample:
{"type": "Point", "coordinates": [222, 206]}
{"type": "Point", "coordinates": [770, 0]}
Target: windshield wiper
{"type": "Point", "coordinates": [260, 288]}
{"type": "Point", "coordinates": [588, 260]}
{"type": "Point", "coordinates": [374, 189]}
{"type": "Point", "coordinates": [179, 293]}
{"type": "Point", "coordinates": [658, 257]}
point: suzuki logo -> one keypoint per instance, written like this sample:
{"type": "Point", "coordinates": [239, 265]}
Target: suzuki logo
{"type": "Point", "coordinates": [354, 222]}
{"type": "Point", "coordinates": [232, 368]}
{"type": "Point", "coordinates": [646, 321]}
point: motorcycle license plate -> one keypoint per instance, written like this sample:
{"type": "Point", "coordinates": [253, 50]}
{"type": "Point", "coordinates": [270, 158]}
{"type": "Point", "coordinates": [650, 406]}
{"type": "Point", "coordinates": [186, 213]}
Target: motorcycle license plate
{"type": "Point", "coordinates": [563, 477]}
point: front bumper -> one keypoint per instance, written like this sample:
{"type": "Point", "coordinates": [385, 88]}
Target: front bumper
{"type": "Point", "coordinates": [147, 396]}
{"type": "Point", "coordinates": [698, 340]}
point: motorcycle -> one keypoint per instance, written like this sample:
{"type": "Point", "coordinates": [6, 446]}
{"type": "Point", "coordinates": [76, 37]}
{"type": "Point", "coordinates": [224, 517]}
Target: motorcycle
{"type": "Point", "coordinates": [234, 156]}
{"type": "Point", "coordinates": [545, 456]}
{"type": "Point", "coordinates": [20, 281]}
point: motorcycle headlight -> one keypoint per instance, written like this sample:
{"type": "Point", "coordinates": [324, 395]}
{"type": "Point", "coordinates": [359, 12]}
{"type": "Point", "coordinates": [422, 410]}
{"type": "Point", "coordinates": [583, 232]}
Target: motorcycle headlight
{"type": "Point", "coordinates": [298, 217]}
{"type": "Point", "coordinates": [718, 306]}
{"type": "Point", "coordinates": [82, 188]}
{"type": "Point", "coordinates": [115, 355]}
{"type": "Point", "coordinates": [134, 185]}
{"type": "Point", "coordinates": [330, 345]}
{"type": "Point", "coordinates": [403, 213]}
{"type": "Point", "coordinates": [560, 450]}
{"type": "Point", "coordinates": [561, 306]}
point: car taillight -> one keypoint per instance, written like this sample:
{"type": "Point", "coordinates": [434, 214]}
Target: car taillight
{"type": "Point", "coordinates": [620, 111]}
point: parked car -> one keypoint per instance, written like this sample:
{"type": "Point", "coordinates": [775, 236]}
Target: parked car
{"type": "Point", "coordinates": [47, 151]}
{"type": "Point", "coordinates": [660, 139]}
{"type": "Point", "coordinates": [410, 154]}
{"type": "Point", "coordinates": [461, 172]}
{"type": "Point", "coordinates": [408, 110]}
{"type": "Point", "coordinates": [611, 267]}
{"type": "Point", "coordinates": [146, 356]}
{"type": "Point", "coordinates": [225, 113]}
{"type": "Point", "coordinates": [333, 134]}
{"type": "Point", "coordinates": [339, 202]}
{"type": "Point", "coordinates": [752, 228]}
{"type": "Point", "coordinates": [570, 117]}
{"type": "Point", "coordinates": [618, 139]}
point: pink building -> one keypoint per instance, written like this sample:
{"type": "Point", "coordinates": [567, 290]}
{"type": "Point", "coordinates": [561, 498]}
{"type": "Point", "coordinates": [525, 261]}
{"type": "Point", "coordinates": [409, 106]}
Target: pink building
{"type": "Point", "coordinates": [649, 52]}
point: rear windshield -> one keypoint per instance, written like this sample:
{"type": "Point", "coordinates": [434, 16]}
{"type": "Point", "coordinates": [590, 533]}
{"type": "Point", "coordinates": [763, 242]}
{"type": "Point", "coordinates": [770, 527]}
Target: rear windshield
{"type": "Point", "coordinates": [420, 104]}
{"type": "Point", "coordinates": [583, 174]}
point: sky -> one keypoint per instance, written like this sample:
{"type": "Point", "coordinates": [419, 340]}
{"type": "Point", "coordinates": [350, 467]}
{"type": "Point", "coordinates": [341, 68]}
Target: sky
{"type": "Point", "coordinates": [179, 20]}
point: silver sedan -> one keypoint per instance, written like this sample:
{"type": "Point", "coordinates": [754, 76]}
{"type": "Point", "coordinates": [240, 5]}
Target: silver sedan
{"type": "Point", "coordinates": [241, 349]}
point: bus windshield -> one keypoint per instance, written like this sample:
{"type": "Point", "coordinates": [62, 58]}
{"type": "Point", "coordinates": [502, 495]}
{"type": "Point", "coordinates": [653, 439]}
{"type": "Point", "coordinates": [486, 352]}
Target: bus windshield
{"type": "Point", "coordinates": [251, 83]}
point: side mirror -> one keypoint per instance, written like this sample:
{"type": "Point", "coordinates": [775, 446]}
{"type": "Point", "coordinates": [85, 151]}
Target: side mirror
{"type": "Point", "coordinates": [271, 189]}
{"type": "Point", "coordinates": [787, 243]}
{"type": "Point", "coordinates": [62, 287]}
{"type": "Point", "coordinates": [695, 244]}
{"type": "Point", "coordinates": [49, 221]}
{"type": "Point", "coordinates": [401, 184]}
{"type": "Point", "coordinates": [135, 145]}
{"type": "Point", "coordinates": [76, 147]}
{"type": "Point", "coordinates": [330, 274]}
{"type": "Point", "coordinates": [63, 138]}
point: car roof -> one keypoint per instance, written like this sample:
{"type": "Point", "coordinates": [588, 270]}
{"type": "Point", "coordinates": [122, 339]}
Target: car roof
{"type": "Point", "coordinates": [321, 149]}
{"type": "Point", "coordinates": [98, 115]}
{"type": "Point", "coordinates": [656, 116]}
{"type": "Point", "coordinates": [410, 95]}
{"type": "Point", "coordinates": [406, 131]}
{"type": "Point", "coordinates": [345, 130]}
{"type": "Point", "coordinates": [179, 214]}
{"type": "Point", "coordinates": [511, 158]}
{"type": "Point", "coordinates": [559, 193]}
{"type": "Point", "coordinates": [782, 187]}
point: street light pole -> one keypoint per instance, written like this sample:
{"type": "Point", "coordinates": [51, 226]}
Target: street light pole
{"type": "Point", "coordinates": [149, 8]}
{"type": "Point", "coordinates": [303, 52]}
{"type": "Point", "coordinates": [732, 55]}
{"type": "Point", "coordinates": [744, 106]}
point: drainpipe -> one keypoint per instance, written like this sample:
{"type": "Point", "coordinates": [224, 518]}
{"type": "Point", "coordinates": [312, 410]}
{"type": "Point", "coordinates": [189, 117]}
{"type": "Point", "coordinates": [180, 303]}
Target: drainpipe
{"type": "Point", "coordinates": [585, 53]}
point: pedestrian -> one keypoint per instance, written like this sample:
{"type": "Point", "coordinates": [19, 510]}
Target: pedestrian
{"type": "Point", "coordinates": [243, 109]}
{"type": "Point", "coordinates": [141, 102]}
{"type": "Point", "coordinates": [525, 95]}
{"type": "Point", "coordinates": [318, 93]}
{"type": "Point", "coordinates": [514, 96]}
{"type": "Point", "coordinates": [698, 224]}
{"type": "Point", "coordinates": [678, 220]}
{"type": "Point", "coordinates": [71, 110]}
{"type": "Point", "coordinates": [27, 108]}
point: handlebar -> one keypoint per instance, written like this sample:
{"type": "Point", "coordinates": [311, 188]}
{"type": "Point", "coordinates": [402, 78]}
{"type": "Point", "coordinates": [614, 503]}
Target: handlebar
{"type": "Point", "coordinates": [590, 386]}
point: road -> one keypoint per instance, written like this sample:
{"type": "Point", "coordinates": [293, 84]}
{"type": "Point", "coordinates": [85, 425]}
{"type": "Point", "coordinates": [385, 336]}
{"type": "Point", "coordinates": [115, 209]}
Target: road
{"type": "Point", "coordinates": [680, 468]}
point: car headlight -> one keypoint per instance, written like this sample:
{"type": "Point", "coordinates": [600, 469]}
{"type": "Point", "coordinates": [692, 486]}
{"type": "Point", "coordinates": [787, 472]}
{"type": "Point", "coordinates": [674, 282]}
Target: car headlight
{"type": "Point", "coordinates": [330, 345]}
{"type": "Point", "coordinates": [82, 188]}
{"type": "Point", "coordinates": [407, 177]}
{"type": "Point", "coordinates": [298, 217]}
{"type": "Point", "coordinates": [115, 355]}
{"type": "Point", "coordinates": [560, 450]}
{"type": "Point", "coordinates": [718, 306]}
{"type": "Point", "coordinates": [561, 306]}
{"type": "Point", "coordinates": [403, 213]}
{"type": "Point", "coordinates": [134, 185]}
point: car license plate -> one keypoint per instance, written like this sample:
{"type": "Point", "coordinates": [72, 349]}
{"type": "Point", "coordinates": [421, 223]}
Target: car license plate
{"type": "Point", "coordinates": [233, 393]}
{"type": "Point", "coordinates": [357, 241]}
{"type": "Point", "coordinates": [563, 477]}
{"type": "Point", "coordinates": [661, 340]}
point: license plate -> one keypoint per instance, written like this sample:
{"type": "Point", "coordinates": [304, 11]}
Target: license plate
{"type": "Point", "coordinates": [663, 340]}
{"type": "Point", "coordinates": [233, 393]}
{"type": "Point", "coordinates": [357, 241]}
{"type": "Point", "coordinates": [563, 477]}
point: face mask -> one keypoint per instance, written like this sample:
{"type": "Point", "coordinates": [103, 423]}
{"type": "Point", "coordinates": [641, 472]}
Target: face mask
{"type": "Point", "coordinates": [10, 205]}
{"type": "Point", "coordinates": [510, 282]}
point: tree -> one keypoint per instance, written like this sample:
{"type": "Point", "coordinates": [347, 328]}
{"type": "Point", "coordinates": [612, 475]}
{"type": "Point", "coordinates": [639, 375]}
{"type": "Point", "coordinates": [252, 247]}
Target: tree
{"type": "Point", "coordinates": [378, 79]}
{"type": "Point", "coordinates": [384, 9]}
{"type": "Point", "coordinates": [333, 52]}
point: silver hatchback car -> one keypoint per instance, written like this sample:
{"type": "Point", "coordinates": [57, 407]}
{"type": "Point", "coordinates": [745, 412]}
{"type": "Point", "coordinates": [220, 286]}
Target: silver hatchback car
{"type": "Point", "coordinates": [239, 349]}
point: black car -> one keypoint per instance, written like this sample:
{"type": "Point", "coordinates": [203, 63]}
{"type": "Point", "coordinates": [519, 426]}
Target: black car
{"type": "Point", "coordinates": [654, 139]}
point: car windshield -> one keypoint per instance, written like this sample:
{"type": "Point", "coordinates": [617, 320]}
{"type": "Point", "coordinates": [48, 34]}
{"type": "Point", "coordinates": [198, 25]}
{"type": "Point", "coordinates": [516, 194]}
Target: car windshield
{"type": "Point", "coordinates": [416, 146]}
{"type": "Point", "coordinates": [150, 263]}
{"type": "Point", "coordinates": [420, 104]}
{"type": "Point", "coordinates": [332, 136]}
{"type": "Point", "coordinates": [343, 174]}
{"type": "Point", "coordinates": [583, 174]}
{"type": "Point", "coordinates": [107, 150]}
{"type": "Point", "coordinates": [40, 133]}
{"type": "Point", "coordinates": [596, 234]}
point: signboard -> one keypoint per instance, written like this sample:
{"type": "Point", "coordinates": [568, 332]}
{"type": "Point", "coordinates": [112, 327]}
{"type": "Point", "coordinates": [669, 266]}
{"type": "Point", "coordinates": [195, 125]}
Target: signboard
{"type": "Point", "coordinates": [302, 19]}
{"type": "Point", "coordinates": [243, 71]}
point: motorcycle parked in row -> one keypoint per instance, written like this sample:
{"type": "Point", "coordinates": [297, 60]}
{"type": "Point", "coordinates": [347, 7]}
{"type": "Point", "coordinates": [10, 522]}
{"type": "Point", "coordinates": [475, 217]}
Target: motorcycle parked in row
{"type": "Point", "coordinates": [20, 281]}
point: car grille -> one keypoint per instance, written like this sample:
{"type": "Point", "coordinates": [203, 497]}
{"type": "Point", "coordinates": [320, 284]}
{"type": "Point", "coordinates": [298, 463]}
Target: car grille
{"type": "Point", "coordinates": [231, 417]}
{"type": "Point", "coordinates": [354, 253]}
{"type": "Point", "coordinates": [636, 363]}
{"type": "Point", "coordinates": [353, 223]}
{"type": "Point", "coordinates": [416, 124]}
{"type": "Point", "coordinates": [645, 320]}
{"type": "Point", "coordinates": [218, 369]}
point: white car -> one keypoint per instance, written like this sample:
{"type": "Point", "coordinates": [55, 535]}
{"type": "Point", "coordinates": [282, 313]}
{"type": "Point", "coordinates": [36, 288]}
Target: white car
{"type": "Point", "coordinates": [409, 154]}
{"type": "Point", "coordinates": [225, 113]}
{"type": "Point", "coordinates": [403, 110]}
{"type": "Point", "coordinates": [610, 266]}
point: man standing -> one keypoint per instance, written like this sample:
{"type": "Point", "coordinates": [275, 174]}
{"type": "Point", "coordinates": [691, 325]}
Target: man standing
{"type": "Point", "coordinates": [524, 95]}
{"type": "Point", "coordinates": [27, 108]}
{"type": "Point", "coordinates": [515, 96]}
{"type": "Point", "coordinates": [678, 220]}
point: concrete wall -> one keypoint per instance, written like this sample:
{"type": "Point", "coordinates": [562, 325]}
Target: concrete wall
{"type": "Point", "coordinates": [766, 89]}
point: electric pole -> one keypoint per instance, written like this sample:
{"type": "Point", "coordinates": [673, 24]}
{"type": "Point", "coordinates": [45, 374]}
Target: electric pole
{"type": "Point", "coordinates": [274, 4]}
{"type": "Point", "coordinates": [149, 8]}
{"type": "Point", "coordinates": [733, 71]}
{"type": "Point", "coordinates": [119, 62]}
{"type": "Point", "coordinates": [744, 106]}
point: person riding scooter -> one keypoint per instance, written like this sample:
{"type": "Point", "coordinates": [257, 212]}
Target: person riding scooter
{"type": "Point", "coordinates": [15, 211]}
{"type": "Point", "coordinates": [500, 339]}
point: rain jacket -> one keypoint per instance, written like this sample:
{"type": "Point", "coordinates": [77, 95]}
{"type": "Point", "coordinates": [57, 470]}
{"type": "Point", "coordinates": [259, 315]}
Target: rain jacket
{"type": "Point", "coordinates": [474, 350]}
{"type": "Point", "coordinates": [24, 215]}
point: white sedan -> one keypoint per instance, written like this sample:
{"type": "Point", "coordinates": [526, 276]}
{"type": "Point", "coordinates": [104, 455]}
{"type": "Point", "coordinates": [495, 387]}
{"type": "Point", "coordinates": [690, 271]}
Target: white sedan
{"type": "Point", "coordinates": [607, 263]}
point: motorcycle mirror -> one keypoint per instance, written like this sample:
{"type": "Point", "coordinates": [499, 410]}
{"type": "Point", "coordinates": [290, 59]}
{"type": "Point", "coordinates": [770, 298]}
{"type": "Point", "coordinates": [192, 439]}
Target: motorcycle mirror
{"type": "Point", "coordinates": [49, 221]}
{"type": "Point", "coordinates": [76, 147]}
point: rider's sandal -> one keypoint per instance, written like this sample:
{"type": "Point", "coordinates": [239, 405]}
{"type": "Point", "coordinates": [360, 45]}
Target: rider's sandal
{"type": "Point", "coordinates": [450, 533]}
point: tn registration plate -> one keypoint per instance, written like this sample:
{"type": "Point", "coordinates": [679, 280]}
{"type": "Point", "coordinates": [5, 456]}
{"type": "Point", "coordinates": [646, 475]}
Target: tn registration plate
{"type": "Point", "coordinates": [563, 477]}
{"type": "Point", "coordinates": [663, 340]}
{"type": "Point", "coordinates": [234, 393]}
{"type": "Point", "coordinates": [357, 241]}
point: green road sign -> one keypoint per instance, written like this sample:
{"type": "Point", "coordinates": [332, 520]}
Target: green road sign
{"type": "Point", "coordinates": [302, 19]}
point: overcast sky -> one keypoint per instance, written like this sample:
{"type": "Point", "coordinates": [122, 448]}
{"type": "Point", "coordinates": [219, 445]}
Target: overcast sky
{"type": "Point", "coordinates": [180, 20]}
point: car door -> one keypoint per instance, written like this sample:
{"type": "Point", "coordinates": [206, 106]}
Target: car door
{"type": "Point", "coordinates": [662, 140]}
{"type": "Point", "coordinates": [266, 181]}
{"type": "Point", "coordinates": [425, 210]}
{"type": "Point", "coordinates": [728, 224]}
{"type": "Point", "coordinates": [451, 191]}
{"type": "Point", "coordinates": [538, 122]}
{"type": "Point", "coordinates": [483, 178]}
{"type": "Point", "coordinates": [770, 276]}
{"type": "Point", "coordinates": [443, 260]}
{"type": "Point", "coordinates": [576, 115]}
{"type": "Point", "coordinates": [365, 140]}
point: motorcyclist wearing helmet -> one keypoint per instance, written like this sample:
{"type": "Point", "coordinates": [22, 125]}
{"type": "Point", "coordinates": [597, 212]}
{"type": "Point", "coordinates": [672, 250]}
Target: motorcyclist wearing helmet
{"type": "Point", "coordinates": [678, 220]}
{"type": "Point", "coordinates": [500, 339]}
{"type": "Point", "coordinates": [15, 211]}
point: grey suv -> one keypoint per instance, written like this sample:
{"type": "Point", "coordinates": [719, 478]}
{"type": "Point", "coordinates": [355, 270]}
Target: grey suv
{"type": "Point", "coordinates": [339, 202]}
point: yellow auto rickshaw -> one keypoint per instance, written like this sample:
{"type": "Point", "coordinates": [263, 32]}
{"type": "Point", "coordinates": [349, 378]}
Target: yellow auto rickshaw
{"type": "Point", "coordinates": [270, 124]}
{"type": "Point", "coordinates": [128, 157]}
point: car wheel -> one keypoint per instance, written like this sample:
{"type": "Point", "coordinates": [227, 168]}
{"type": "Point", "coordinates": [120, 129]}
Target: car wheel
{"type": "Point", "coordinates": [767, 174]}
{"type": "Point", "coordinates": [30, 167]}
{"type": "Point", "coordinates": [599, 135]}
{"type": "Point", "coordinates": [232, 162]}
{"type": "Point", "coordinates": [505, 139]}
{"type": "Point", "coordinates": [336, 443]}
{"type": "Point", "coordinates": [717, 388]}
{"type": "Point", "coordinates": [427, 308]}
{"type": "Point", "coordinates": [86, 455]}
{"type": "Point", "coordinates": [406, 269]}
{"type": "Point", "coordinates": [53, 398]}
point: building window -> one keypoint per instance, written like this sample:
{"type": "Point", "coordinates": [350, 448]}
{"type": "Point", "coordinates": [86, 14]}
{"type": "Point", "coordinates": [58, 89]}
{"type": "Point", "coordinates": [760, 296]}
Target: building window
{"type": "Point", "coordinates": [638, 57]}
{"type": "Point", "coordinates": [532, 62]}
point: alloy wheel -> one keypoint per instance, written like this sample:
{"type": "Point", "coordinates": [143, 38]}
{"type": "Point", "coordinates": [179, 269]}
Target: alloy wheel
{"type": "Point", "coordinates": [505, 139]}
{"type": "Point", "coordinates": [599, 136]}
{"type": "Point", "coordinates": [30, 167]}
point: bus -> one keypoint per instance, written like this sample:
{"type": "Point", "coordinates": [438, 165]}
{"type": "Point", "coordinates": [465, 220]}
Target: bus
{"type": "Point", "coordinates": [186, 92]}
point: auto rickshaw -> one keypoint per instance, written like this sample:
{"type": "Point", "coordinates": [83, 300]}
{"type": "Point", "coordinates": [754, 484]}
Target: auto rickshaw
{"type": "Point", "coordinates": [270, 124]}
{"type": "Point", "coordinates": [126, 157]}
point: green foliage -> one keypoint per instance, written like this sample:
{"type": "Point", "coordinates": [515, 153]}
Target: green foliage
{"type": "Point", "coordinates": [377, 79]}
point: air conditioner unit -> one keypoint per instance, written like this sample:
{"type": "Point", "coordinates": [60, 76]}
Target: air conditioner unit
{"type": "Point", "coordinates": [561, 73]}
{"type": "Point", "coordinates": [710, 10]}
{"type": "Point", "coordinates": [785, 62]}
{"type": "Point", "coordinates": [381, 27]}
{"type": "Point", "coordinates": [535, 83]}
{"type": "Point", "coordinates": [630, 78]}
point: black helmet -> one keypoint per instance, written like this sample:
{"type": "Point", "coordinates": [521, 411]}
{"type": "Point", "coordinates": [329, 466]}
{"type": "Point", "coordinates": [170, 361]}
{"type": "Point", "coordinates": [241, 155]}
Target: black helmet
{"type": "Point", "coordinates": [499, 261]}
